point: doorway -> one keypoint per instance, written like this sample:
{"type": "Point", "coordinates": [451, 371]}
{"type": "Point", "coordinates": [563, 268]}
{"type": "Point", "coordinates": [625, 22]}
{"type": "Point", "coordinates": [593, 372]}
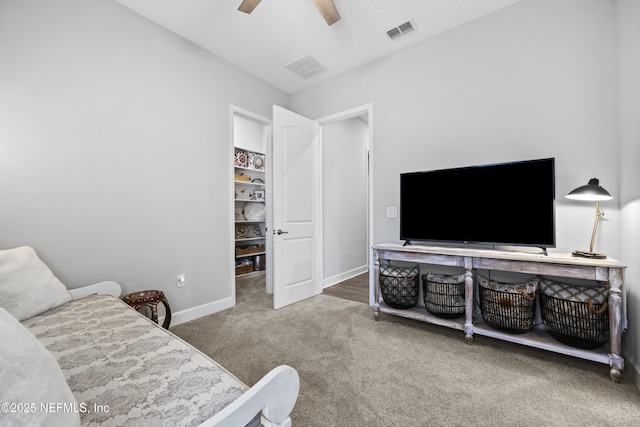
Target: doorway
{"type": "Point", "coordinates": [348, 234]}
{"type": "Point", "coordinates": [346, 141]}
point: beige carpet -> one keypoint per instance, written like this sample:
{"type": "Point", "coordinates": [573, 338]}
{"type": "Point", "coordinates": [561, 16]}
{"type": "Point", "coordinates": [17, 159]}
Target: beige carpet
{"type": "Point", "coordinates": [355, 371]}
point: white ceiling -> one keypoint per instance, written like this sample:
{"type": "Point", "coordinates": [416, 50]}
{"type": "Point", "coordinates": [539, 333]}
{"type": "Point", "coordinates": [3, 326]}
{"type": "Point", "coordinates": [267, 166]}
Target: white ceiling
{"type": "Point", "coordinates": [279, 32]}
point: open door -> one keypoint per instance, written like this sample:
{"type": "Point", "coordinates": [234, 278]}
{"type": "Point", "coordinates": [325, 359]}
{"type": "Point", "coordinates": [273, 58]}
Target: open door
{"type": "Point", "coordinates": [295, 204]}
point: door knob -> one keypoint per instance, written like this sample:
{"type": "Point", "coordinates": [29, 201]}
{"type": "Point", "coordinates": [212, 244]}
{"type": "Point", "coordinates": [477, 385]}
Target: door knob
{"type": "Point", "coordinates": [281, 232]}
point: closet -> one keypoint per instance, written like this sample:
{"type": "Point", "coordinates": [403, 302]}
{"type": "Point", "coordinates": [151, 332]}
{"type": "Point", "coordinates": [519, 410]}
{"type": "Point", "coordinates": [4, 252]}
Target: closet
{"type": "Point", "coordinates": [250, 140]}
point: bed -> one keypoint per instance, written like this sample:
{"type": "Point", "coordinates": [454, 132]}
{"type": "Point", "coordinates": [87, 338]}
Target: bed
{"type": "Point", "coordinates": [84, 357]}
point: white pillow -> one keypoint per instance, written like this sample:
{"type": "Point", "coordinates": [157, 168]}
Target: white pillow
{"type": "Point", "coordinates": [27, 285]}
{"type": "Point", "coordinates": [30, 378]}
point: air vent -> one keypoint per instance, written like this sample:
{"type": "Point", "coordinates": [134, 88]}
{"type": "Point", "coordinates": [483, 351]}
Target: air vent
{"type": "Point", "coordinates": [307, 67]}
{"type": "Point", "coordinates": [401, 30]}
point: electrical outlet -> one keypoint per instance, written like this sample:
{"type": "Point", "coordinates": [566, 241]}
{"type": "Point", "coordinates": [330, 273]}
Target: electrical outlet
{"type": "Point", "coordinates": [181, 280]}
{"type": "Point", "coordinates": [392, 211]}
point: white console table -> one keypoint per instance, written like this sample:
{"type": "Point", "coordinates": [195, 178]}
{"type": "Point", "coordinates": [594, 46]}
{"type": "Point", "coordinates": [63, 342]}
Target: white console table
{"type": "Point", "coordinates": [607, 271]}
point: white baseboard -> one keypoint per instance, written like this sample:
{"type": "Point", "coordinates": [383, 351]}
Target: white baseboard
{"type": "Point", "coordinates": [193, 313]}
{"type": "Point", "coordinates": [330, 281]}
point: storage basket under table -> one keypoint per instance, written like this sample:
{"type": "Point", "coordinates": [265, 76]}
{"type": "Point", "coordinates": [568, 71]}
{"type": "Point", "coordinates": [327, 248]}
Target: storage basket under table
{"type": "Point", "coordinates": [399, 285]}
{"type": "Point", "coordinates": [575, 315]}
{"type": "Point", "coordinates": [443, 296]}
{"type": "Point", "coordinates": [508, 307]}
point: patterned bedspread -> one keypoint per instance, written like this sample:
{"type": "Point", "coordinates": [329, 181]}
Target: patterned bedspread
{"type": "Point", "coordinates": [126, 371]}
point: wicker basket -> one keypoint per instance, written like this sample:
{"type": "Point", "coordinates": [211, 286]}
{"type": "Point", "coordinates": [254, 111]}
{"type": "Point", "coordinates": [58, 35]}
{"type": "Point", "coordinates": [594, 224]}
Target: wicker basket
{"type": "Point", "coordinates": [578, 324]}
{"type": "Point", "coordinates": [399, 285]}
{"type": "Point", "coordinates": [248, 250]}
{"type": "Point", "coordinates": [244, 266]}
{"type": "Point", "coordinates": [443, 296]}
{"type": "Point", "coordinates": [508, 308]}
{"type": "Point", "coordinates": [242, 250]}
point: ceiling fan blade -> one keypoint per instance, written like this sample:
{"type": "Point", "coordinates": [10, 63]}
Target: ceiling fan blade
{"type": "Point", "coordinates": [247, 6]}
{"type": "Point", "coordinates": [328, 11]}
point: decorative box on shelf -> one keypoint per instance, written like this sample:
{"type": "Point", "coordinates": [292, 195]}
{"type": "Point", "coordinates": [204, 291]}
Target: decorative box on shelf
{"type": "Point", "coordinates": [244, 266]}
{"type": "Point", "coordinates": [248, 159]}
{"type": "Point", "coordinates": [249, 249]}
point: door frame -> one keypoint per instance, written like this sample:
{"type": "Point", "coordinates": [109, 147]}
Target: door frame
{"type": "Point", "coordinates": [267, 129]}
{"type": "Point", "coordinates": [344, 115]}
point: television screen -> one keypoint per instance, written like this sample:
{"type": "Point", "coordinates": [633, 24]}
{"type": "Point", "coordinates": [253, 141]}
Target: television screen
{"type": "Point", "coordinates": [502, 204]}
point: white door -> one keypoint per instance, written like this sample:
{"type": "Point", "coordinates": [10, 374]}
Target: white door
{"type": "Point", "coordinates": [295, 204]}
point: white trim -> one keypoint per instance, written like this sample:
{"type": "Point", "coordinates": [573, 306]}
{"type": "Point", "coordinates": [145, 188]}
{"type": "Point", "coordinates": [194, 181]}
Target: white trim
{"type": "Point", "coordinates": [269, 207]}
{"type": "Point", "coordinates": [193, 313]}
{"type": "Point", "coordinates": [347, 114]}
{"type": "Point", "coordinates": [330, 281]}
{"type": "Point", "coordinates": [634, 371]}
{"type": "Point", "coordinates": [231, 220]}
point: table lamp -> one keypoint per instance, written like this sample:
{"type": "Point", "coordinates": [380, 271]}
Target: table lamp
{"type": "Point", "coordinates": [591, 192]}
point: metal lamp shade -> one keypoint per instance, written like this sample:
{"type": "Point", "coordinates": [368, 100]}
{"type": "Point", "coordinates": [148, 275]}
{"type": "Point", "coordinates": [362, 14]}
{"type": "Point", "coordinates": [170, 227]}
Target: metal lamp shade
{"type": "Point", "coordinates": [591, 191]}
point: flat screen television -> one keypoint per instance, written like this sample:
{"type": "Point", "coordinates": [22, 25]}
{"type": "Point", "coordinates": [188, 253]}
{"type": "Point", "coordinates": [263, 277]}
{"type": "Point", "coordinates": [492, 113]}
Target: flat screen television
{"type": "Point", "coordinates": [509, 204]}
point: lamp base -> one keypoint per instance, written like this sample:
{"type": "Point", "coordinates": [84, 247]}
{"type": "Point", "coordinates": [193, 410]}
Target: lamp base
{"type": "Point", "coordinates": [585, 254]}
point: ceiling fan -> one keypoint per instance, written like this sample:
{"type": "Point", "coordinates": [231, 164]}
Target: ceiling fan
{"type": "Point", "coordinates": [326, 7]}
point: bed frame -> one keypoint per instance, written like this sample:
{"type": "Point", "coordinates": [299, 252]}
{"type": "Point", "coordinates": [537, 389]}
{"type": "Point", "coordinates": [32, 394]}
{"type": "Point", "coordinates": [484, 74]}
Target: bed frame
{"type": "Point", "coordinates": [275, 394]}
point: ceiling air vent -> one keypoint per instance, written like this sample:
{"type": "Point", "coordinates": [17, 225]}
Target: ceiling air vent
{"type": "Point", "coordinates": [401, 30]}
{"type": "Point", "coordinates": [307, 67]}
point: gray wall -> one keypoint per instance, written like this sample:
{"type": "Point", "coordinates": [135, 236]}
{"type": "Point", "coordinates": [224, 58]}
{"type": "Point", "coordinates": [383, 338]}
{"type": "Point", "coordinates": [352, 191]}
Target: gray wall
{"type": "Point", "coordinates": [115, 156]}
{"type": "Point", "coordinates": [536, 79]}
{"type": "Point", "coordinates": [344, 199]}
{"type": "Point", "coordinates": [628, 14]}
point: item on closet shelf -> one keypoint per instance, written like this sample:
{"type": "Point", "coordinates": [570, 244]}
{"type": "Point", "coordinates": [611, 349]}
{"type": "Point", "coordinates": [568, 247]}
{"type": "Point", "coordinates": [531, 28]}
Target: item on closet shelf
{"type": "Point", "coordinates": [444, 295]}
{"type": "Point", "coordinates": [248, 250]}
{"type": "Point", "coordinates": [260, 262]}
{"type": "Point", "coordinates": [257, 195]}
{"type": "Point", "coordinates": [508, 307]}
{"type": "Point", "coordinates": [243, 231]}
{"type": "Point", "coordinates": [240, 158]}
{"type": "Point", "coordinates": [248, 231]}
{"type": "Point", "coordinates": [241, 194]}
{"type": "Point", "coordinates": [254, 211]}
{"type": "Point", "coordinates": [239, 215]}
{"type": "Point", "coordinates": [256, 231]}
{"type": "Point", "coordinates": [575, 315]}
{"type": "Point", "coordinates": [242, 250]}
{"type": "Point", "coordinates": [244, 266]}
{"type": "Point", "coordinates": [241, 177]}
{"type": "Point", "coordinates": [399, 285]}
{"type": "Point", "coordinates": [256, 161]}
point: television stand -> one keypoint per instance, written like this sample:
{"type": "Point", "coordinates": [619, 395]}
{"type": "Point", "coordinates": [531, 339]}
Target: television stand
{"type": "Point", "coordinates": [607, 271]}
